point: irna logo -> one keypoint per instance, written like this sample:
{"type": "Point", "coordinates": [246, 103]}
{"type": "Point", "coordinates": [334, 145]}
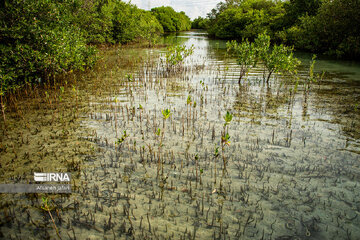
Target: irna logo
{"type": "Point", "coordinates": [52, 177]}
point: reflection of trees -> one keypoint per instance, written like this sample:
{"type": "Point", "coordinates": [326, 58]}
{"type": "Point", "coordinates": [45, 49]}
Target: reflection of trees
{"type": "Point", "coordinates": [340, 100]}
{"type": "Point", "coordinates": [217, 49]}
{"type": "Point", "coordinates": [173, 39]}
{"type": "Point", "coordinates": [255, 105]}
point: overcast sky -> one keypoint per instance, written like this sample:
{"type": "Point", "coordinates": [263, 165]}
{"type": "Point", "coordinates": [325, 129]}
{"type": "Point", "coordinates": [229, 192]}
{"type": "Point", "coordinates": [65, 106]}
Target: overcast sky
{"type": "Point", "coordinates": [193, 8]}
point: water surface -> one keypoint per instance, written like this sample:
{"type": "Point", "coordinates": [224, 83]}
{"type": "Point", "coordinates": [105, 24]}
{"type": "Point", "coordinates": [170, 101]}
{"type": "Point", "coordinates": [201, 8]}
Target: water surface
{"type": "Point", "coordinates": [290, 171]}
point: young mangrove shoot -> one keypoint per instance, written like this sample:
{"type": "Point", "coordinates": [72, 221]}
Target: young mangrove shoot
{"type": "Point", "coordinates": [120, 140]}
{"type": "Point", "coordinates": [46, 207]}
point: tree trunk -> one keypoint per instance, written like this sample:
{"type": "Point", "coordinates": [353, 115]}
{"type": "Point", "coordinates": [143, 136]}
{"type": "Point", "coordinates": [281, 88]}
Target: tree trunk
{"type": "Point", "coordinates": [268, 78]}
{"type": "Point", "coordinates": [242, 73]}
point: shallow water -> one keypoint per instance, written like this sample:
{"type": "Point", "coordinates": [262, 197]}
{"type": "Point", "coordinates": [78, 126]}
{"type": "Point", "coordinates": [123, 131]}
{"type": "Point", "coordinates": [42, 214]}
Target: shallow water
{"type": "Point", "coordinates": [291, 170]}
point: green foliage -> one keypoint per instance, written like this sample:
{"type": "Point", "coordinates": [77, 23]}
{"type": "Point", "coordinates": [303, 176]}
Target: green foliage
{"type": "Point", "coordinates": [119, 141]}
{"type": "Point", "coordinates": [188, 100]}
{"type": "Point", "coordinates": [46, 206]}
{"type": "Point", "coordinates": [245, 55]}
{"type": "Point", "coordinates": [38, 41]}
{"type": "Point", "coordinates": [170, 20]}
{"type": "Point", "coordinates": [176, 55]}
{"type": "Point", "coordinates": [295, 9]}
{"type": "Point", "coordinates": [225, 140]}
{"type": "Point", "coordinates": [130, 23]}
{"type": "Point", "coordinates": [150, 28]}
{"type": "Point", "coordinates": [228, 117]}
{"type": "Point", "coordinates": [166, 113]}
{"type": "Point", "coordinates": [334, 30]}
{"type": "Point", "coordinates": [216, 152]}
{"type": "Point", "coordinates": [278, 59]}
{"type": "Point", "coordinates": [94, 17]}
{"type": "Point", "coordinates": [324, 26]}
{"type": "Point", "coordinates": [200, 23]}
{"type": "Point", "coordinates": [247, 19]}
{"type": "Point", "coordinates": [313, 77]}
{"type": "Point", "coordinates": [158, 132]}
{"type": "Point", "coordinates": [129, 77]}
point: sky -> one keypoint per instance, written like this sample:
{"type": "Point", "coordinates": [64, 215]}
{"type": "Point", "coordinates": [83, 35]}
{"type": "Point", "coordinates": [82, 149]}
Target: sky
{"type": "Point", "coordinates": [193, 8]}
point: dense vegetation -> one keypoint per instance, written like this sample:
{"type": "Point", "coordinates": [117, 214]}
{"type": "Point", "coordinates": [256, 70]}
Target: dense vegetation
{"type": "Point", "coordinates": [171, 20]}
{"type": "Point", "coordinates": [324, 26]}
{"type": "Point", "coordinates": [200, 23]}
{"type": "Point", "coordinates": [39, 39]}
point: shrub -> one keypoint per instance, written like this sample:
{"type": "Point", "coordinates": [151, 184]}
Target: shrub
{"type": "Point", "coordinates": [278, 59]}
{"type": "Point", "coordinates": [175, 56]}
{"type": "Point", "coordinates": [245, 55]}
{"type": "Point", "coordinates": [37, 41]}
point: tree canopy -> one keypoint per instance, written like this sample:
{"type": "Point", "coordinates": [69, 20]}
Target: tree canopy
{"type": "Point", "coordinates": [170, 20]}
{"type": "Point", "coordinates": [200, 23]}
{"type": "Point", "coordinates": [39, 39]}
{"type": "Point", "coordinates": [322, 26]}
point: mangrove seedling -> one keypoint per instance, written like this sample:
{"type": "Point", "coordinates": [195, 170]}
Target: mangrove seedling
{"type": "Point", "coordinates": [129, 77]}
{"type": "Point", "coordinates": [216, 155]}
{"type": "Point", "coordinates": [196, 167]}
{"type": "Point", "coordinates": [158, 132]}
{"type": "Point", "coordinates": [228, 117]}
{"type": "Point", "coordinates": [216, 152]}
{"type": "Point", "coordinates": [47, 97]}
{"type": "Point", "coordinates": [201, 173]}
{"type": "Point", "coordinates": [245, 54]}
{"type": "Point", "coordinates": [188, 103]}
{"type": "Point", "coordinates": [188, 100]}
{"type": "Point", "coordinates": [46, 207]}
{"type": "Point", "coordinates": [225, 139]}
{"type": "Point", "coordinates": [166, 113]}
{"type": "Point", "coordinates": [278, 59]}
{"type": "Point", "coordinates": [61, 92]}
{"type": "Point", "coordinates": [175, 57]}
{"type": "Point", "coordinates": [312, 77]}
{"type": "Point", "coordinates": [119, 141]}
{"type": "Point", "coordinates": [225, 136]}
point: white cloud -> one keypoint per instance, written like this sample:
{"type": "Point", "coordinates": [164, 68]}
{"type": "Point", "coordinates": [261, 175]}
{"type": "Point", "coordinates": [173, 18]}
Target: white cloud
{"type": "Point", "coordinates": [192, 8]}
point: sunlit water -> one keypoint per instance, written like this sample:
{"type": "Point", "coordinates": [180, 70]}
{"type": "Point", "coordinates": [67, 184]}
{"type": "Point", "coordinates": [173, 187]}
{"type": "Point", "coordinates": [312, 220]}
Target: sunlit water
{"type": "Point", "coordinates": [290, 171]}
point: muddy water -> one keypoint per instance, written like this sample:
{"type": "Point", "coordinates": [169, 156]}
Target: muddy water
{"type": "Point", "coordinates": [290, 170]}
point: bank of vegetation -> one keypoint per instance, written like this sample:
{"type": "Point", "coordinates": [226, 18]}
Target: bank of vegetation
{"type": "Point", "coordinates": [40, 39]}
{"type": "Point", "coordinates": [170, 20]}
{"type": "Point", "coordinates": [329, 27]}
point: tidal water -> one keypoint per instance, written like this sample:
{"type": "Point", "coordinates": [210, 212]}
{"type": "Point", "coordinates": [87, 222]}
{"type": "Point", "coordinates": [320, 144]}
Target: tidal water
{"type": "Point", "coordinates": [289, 170]}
